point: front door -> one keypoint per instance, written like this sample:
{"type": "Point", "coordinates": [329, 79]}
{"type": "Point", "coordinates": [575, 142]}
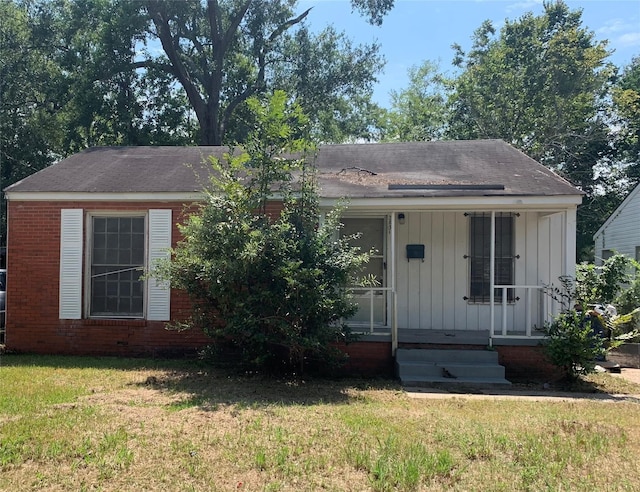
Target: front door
{"type": "Point", "coordinates": [371, 303]}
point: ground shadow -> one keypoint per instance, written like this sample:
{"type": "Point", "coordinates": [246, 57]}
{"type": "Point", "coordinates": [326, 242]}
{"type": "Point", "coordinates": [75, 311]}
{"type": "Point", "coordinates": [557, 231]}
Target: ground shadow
{"type": "Point", "coordinates": [209, 387]}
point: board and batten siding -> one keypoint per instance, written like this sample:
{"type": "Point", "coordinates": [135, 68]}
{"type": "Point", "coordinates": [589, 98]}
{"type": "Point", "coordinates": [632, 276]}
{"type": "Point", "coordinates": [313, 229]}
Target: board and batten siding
{"type": "Point", "coordinates": [621, 232]}
{"type": "Point", "coordinates": [431, 293]}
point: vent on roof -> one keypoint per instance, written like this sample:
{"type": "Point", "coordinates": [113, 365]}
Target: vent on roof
{"type": "Point", "coordinates": [446, 187]}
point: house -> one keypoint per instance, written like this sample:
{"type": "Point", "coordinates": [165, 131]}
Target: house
{"type": "Point", "coordinates": [467, 235]}
{"type": "Point", "coordinates": [621, 231]}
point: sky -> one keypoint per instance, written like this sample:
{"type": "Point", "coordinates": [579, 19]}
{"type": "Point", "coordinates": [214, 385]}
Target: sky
{"type": "Point", "coordinates": [419, 30]}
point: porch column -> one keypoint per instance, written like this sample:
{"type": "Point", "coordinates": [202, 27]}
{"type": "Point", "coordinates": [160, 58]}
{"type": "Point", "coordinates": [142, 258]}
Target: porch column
{"type": "Point", "coordinates": [391, 261]}
{"type": "Point", "coordinates": [570, 242]}
{"type": "Point", "coordinates": [492, 275]}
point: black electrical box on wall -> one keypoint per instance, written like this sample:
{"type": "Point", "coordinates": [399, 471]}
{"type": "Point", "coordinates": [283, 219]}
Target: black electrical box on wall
{"type": "Point", "coordinates": [415, 251]}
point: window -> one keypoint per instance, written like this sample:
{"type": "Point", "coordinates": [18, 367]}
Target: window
{"type": "Point", "coordinates": [606, 254]}
{"type": "Point", "coordinates": [117, 262]}
{"type": "Point", "coordinates": [480, 256]}
{"type": "Point", "coordinates": [117, 246]}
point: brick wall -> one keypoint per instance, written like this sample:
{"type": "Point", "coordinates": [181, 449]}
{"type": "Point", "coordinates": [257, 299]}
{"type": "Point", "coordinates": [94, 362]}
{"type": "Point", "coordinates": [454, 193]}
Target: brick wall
{"type": "Point", "coordinates": [368, 358]}
{"type": "Point", "coordinates": [527, 363]}
{"type": "Point", "coordinates": [33, 291]}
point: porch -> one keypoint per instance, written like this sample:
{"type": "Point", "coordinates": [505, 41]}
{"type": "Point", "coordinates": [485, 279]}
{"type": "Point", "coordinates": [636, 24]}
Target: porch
{"type": "Point", "coordinates": [508, 324]}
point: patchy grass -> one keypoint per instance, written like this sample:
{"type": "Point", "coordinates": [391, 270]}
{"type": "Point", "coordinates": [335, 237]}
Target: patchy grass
{"type": "Point", "coordinates": [121, 424]}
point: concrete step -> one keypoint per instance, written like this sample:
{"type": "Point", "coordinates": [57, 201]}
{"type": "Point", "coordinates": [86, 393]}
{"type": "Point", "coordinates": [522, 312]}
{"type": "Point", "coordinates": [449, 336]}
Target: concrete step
{"type": "Point", "coordinates": [445, 355]}
{"type": "Point", "coordinates": [451, 370]}
{"type": "Point", "coordinates": [456, 367]}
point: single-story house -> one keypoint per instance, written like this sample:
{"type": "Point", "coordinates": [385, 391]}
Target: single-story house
{"type": "Point", "coordinates": [621, 231]}
{"type": "Point", "coordinates": [467, 233]}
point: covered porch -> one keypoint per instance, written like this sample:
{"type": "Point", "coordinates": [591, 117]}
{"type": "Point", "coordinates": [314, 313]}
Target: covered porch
{"type": "Point", "coordinates": [471, 275]}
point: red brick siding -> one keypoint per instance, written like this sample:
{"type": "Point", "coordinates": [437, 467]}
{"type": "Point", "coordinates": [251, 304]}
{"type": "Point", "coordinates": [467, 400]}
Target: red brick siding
{"type": "Point", "coordinates": [368, 358]}
{"type": "Point", "coordinates": [527, 363]}
{"type": "Point", "coordinates": [32, 303]}
{"type": "Point", "coordinates": [33, 291]}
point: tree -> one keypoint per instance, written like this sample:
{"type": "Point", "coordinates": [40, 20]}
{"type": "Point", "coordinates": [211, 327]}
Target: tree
{"type": "Point", "coordinates": [419, 112]}
{"type": "Point", "coordinates": [29, 118]}
{"type": "Point", "coordinates": [542, 85]}
{"type": "Point", "coordinates": [272, 287]}
{"type": "Point", "coordinates": [82, 73]}
{"type": "Point", "coordinates": [223, 52]}
{"type": "Point", "coordinates": [626, 98]}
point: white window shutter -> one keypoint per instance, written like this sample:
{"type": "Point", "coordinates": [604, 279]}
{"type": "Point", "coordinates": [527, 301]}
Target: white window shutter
{"type": "Point", "coordinates": [159, 293]}
{"type": "Point", "coordinates": [71, 220]}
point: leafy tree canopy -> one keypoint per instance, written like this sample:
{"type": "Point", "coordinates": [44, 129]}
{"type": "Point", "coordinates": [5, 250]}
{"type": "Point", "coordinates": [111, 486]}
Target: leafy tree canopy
{"type": "Point", "coordinates": [419, 112]}
{"type": "Point", "coordinates": [540, 84]}
{"type": "Point", "coordinates": [626, 97]}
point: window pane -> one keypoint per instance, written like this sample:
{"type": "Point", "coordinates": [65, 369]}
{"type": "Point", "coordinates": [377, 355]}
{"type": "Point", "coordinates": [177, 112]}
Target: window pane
{"type": "Point", "coordinates": [116, 263]}
{"type": "Point", "coordinates": [480, 256]}
{"type": "Point", "coordinates": [371, 232]}
{"type": "Point", "coordinates": [112, 224]}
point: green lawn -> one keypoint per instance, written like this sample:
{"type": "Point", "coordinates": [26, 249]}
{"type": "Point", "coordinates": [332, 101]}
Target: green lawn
{"type": "Point", "coordinates": [71, 423]}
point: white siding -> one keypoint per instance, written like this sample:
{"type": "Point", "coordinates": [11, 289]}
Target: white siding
{"type": "Point", "coordinates": [431, 294]}
{"type": "Point", "coordinates": [621, 233]}
{"type": "Point", "coordinates": [159, 293]}
{"type": "Point", "coordinates": [71, 221]}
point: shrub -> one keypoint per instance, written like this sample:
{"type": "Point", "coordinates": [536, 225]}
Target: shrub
{"type": "Point", "coordinates": [574, 342]}
{"type": "Point", "coordinates": [269, 288]}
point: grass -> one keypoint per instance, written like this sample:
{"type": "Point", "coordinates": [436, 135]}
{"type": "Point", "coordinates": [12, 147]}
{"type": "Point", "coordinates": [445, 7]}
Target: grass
{"type": "Point", "coordinates": [70, 423]}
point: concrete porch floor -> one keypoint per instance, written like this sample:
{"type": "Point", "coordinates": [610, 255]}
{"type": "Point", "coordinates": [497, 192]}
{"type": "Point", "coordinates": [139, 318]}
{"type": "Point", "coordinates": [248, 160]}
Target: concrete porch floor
{"type": "Point", "coordinates": [444, 337]}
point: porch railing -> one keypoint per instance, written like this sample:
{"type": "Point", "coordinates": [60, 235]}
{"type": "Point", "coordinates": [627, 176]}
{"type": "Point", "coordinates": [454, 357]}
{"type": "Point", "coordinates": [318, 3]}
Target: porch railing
{"type": "Point", "coordinates": [390, 302]}
{"type": "Point", "coordinates": [542, 302]}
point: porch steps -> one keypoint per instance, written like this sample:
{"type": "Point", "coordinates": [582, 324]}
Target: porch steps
{"type": "Point", "coordinates": [425, 367]}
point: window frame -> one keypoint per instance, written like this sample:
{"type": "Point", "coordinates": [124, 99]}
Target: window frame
{"type": "Point", "coordinates": [89, 240]}
{"type": "Point", "coordinates": [485, 297]}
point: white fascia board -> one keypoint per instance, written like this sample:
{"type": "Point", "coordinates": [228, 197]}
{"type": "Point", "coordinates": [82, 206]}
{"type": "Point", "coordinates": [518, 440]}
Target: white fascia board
{"type": "Point", "coordinates": [457, 203]}
{"type": "Point", "coordinates": [617, 211]}
{"type": "Point", "coordinates": [28, 196]}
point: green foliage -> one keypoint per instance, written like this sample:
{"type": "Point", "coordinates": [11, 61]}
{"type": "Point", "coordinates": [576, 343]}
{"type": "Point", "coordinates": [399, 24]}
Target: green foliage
{"type": "Point", "coordinates": [601, 285]}
{"type": "Point", "coordinates": [626, 98]}
{"type": "Point", "coordinates": [222, 53]}
{"type": "Point", "coordinates": [268, 285]}
{"type": "Point", "coordinates": [580, 335]}
{"type": "Point", "coordinates": [419, 112]}
{"type": "Point", "coordinates": [572, 343]}
{"type": "Point", "coordinates": [541, 84]}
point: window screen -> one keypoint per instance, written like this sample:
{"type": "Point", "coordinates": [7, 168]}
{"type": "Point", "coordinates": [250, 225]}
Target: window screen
{"type": "Point", "coordinates": [117, 260]}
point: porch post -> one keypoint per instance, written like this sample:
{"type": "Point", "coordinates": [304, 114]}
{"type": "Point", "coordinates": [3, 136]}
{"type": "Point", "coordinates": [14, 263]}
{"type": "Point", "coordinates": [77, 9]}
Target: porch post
{"type": "Point", "coordinates": [391, 261]}
{"type": "Point", "coordinates": [570, 242]}
{"type": "Point", "coordinates": [492, 275]}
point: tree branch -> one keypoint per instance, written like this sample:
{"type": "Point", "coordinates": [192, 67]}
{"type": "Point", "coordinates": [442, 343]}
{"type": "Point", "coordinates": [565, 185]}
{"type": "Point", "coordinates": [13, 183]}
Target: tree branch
{"type": "Point", "coordinates": [171, 48]}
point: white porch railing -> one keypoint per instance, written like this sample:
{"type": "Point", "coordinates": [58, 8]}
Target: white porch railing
{"type": "Point", "coordinates": [538, 309]}
{"type": "Point", "coordinates": [390, 302]}
{"type": "Point", "coordinates": [530, 318]}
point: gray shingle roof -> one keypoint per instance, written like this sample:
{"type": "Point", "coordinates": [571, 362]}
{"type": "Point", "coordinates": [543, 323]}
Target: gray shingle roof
{"type": "Point", "coordinates": [443, 168]}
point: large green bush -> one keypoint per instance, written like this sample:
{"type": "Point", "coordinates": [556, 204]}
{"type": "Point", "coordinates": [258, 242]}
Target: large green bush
{"type": "Point", "coordinates": [269, 287]}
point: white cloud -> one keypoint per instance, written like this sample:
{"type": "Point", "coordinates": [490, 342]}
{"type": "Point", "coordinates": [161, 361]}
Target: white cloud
{"type": "Point", "coordinates": [525, 5]}
{"type": "Point", "coordinates": [612, 26]}
{"type": "Point", "coordinates": [629, 39]}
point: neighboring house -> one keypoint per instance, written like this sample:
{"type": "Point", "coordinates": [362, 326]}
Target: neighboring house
{"type": "Point", "coordinates": [621, 231]}
{"type": "Point", "coordinates": [442, 216]}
